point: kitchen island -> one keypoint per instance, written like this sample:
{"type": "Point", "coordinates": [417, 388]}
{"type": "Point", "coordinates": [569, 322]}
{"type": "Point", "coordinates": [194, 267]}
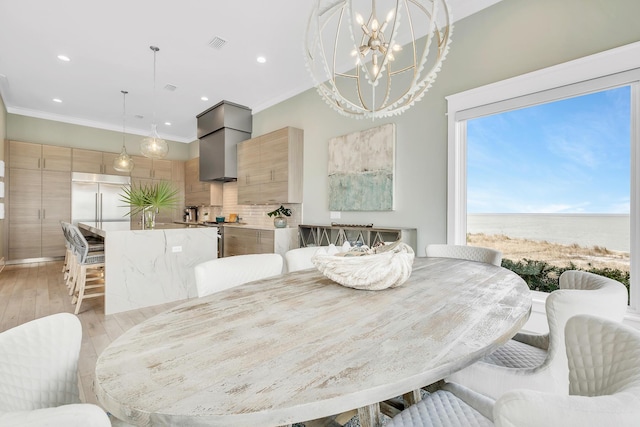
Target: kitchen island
{"type": "Point", "coordinates": [152, 266]}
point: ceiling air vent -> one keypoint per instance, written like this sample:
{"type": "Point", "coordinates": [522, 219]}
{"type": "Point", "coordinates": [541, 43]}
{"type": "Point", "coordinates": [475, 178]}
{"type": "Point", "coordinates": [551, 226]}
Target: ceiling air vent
{"type": "Point", "coordinates": [170, 87]}
{"type": "Point", "coordinates": [217, 42]}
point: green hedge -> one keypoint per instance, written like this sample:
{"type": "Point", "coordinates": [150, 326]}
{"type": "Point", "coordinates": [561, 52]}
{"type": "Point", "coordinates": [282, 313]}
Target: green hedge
{"type": "Point", "coordinates": [544, 277]}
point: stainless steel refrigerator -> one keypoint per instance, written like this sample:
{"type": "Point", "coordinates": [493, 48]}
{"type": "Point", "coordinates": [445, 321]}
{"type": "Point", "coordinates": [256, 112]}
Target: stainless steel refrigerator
{"type": "Point", "coordinates": [96, 198]}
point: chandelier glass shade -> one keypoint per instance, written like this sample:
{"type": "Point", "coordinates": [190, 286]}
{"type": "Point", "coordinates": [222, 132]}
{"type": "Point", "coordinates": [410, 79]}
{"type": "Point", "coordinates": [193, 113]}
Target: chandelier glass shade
{"type": "Point", "coordinates": [153, 146]}
{"type": "Point", "coordinates": [124, 162]}
{"type": "Point", "coordinates": [376, 58]}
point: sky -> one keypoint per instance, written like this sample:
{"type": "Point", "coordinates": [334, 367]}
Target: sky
{"type": "Point", "coordinates": [568, 156]}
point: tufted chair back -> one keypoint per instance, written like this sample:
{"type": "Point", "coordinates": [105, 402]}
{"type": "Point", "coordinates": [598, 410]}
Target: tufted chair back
{"type": "Point", "coordinates": [39, 363]}
{"type": "Point", "coordinates": [471, 253]}
{"type": "Point", "coordinates": [604, 382]}
{"type": "Point", "coordinates": [580, 293]}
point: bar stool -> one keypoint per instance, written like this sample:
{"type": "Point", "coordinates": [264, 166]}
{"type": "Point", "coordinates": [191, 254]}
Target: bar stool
{"type": "Point", "coordinates": [89, 268]}
{"type": "Point", "coordinates": [69, 265]}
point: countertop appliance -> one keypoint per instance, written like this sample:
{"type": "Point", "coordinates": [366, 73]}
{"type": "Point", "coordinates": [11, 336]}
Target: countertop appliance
{"type": "Point", "coordinates": [220, 128]}
{"type": "Point", "coordinates": [191, 214]}
{"type": "Point", "coordinates": [96, 198]}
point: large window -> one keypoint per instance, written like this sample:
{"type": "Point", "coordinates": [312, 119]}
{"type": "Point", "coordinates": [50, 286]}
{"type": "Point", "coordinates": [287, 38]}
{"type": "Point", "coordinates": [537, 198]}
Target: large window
{"type": "Point", "coordinates": [590, 156]}
{"type": "Point", "coordinates": [549, 186]}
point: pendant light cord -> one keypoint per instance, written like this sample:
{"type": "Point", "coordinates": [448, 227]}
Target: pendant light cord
{"type": "Point", "coordinates": [124, 115]}
{"type": "Point", "coordinates": [155, 50]}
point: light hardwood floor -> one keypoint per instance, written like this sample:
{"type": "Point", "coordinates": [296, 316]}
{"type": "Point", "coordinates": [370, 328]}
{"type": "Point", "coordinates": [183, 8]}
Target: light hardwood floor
{"type": "Point", "coordinates": [31, 291]}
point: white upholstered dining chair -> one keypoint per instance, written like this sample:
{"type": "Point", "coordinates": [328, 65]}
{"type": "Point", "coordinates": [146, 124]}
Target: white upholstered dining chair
{"type": "Point", "coordinates": [300, 258]}
{"type": "Point", "coordinates": [470, 253]}
{"type": "Point", "coordinates": [604, 388]}
{"type": "Point", "coordinates": [38, 375]}
{"type": "Point", "coordinates": [223, 273]}
{"type": "Point", "coordinates": [539, 362]}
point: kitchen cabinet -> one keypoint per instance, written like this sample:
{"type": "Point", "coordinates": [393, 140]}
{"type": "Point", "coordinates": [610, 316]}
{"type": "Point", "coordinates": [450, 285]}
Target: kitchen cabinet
{"type": "Point", "coordinates": [152, 168]}
{"type": "Point", "coordinates": [270, 168]}
{"type": "Point", "coordinates": [91, 161]}
{"type": "Point", "coordinates": [242, 240]}
{"type": "Point", "coordinates": [26, 155]}
{"type": "Point", "coordinates": [38, 201]}
{"type": "Point", "coordinates": [198, 193]}
{"type": "Point", "coordinates": [39, 197]}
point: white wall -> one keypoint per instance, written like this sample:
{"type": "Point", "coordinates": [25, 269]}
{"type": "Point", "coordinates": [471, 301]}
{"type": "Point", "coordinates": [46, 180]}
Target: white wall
{"type": "Point", "coordinates": [508, 39]}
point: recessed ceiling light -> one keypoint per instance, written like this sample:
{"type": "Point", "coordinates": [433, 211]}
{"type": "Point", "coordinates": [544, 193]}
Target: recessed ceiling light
{"type": "Point", "coordinates": [204, 98]}
{"type": "Point", "coordinates": [58, 100]}
{"type": "Point", "coordinates": [261, 59]}
{"type": "Point", "coordinates": [64, 58]}
{"type": "Point", "coordinates": [167, 123]}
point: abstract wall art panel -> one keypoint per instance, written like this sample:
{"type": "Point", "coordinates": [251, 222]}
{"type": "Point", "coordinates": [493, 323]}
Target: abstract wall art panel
{"type": "Point", "coordinates": [361, 170]}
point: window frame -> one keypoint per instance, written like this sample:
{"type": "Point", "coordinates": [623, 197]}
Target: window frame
{"type": "Point", "coordinates": [601, 71]}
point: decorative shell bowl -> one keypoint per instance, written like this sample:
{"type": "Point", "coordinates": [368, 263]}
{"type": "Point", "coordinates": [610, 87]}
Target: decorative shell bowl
{"type": "Point", "coordinates": [383, 267]}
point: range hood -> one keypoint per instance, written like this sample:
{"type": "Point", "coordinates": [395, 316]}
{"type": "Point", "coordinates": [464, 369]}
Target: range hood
{"type": "Point", "coordinates": [220, 128]}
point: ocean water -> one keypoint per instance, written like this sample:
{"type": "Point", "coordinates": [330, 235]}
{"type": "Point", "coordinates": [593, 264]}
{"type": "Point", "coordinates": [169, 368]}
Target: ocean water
{"type": "Point", "coordinates": [605, 230]}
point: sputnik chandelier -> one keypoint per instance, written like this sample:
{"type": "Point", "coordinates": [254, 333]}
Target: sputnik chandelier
{"type": "Point", "coordinates": [373, 59]}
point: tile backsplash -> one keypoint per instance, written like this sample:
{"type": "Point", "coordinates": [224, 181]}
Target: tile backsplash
{"type": "Point", "coordinates": [251, 214]}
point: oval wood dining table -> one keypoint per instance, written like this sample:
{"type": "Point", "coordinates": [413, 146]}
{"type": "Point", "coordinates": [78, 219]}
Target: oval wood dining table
{"type": "Point", "coordinates": [299, 346]}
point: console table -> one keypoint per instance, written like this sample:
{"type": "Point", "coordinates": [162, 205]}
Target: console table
{"type": "Point", "coordinates": [324, 235]}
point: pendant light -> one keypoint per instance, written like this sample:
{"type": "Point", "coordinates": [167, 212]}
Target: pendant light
{"type": "Point", "coordinates": [153, 146]}
{"type": "Point", "coordinates": [123, 163]}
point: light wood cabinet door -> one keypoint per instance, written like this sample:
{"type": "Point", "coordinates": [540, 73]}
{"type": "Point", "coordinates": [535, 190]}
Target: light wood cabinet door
{"type": "Point", "coordinates": [197, 193]}
{"type": "Point", "coordinates": [56, 207]}
{"type": "Point", "coordinates": [87, 161]}
{"type": "Point", "coordinates": [162, 169]}
{"type": "Point", "coordinates": [191, 172]}
{"type": "Point", "coordinates": [25, 192]}
{"type": "Point", "coordinates": [53, 243]}
{"type": "Point", "coordinates": [265, 242]}
{"type": "Point", "coordinates": [238, 241]}
{"type": "Point", "coordinates": [249, 171]}
{"type": "Point", "coordinates": [270, 168]}
{"type": "Point", "coordinates": [56, 196]}
{"type": "Point", "coordinates": [177, 170]}
{"type": "Point", "coordinates": [25, 155]}
{"type": "Point", "coordinates": [56, 158]}
{"type": "Point", "coordinates": [25, 241]}
{"type": "Point", "coordinates": [243, 241]}
{"type": "Point", "coordinates": [143, 167]}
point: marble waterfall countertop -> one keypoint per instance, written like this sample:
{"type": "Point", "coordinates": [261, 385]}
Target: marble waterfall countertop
{"type": "Point", "coordinates": [152, 266]}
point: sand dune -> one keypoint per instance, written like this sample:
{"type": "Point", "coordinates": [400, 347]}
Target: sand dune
{"type": "Point", "coordinates": [553, 253]}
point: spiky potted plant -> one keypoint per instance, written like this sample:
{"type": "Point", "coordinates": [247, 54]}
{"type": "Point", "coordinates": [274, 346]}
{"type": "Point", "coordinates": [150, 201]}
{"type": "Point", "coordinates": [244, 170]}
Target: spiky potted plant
{"type": "Point", "coordinates": [149, 199]}
{"type": "Point", "coordinates": [280, 221]}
